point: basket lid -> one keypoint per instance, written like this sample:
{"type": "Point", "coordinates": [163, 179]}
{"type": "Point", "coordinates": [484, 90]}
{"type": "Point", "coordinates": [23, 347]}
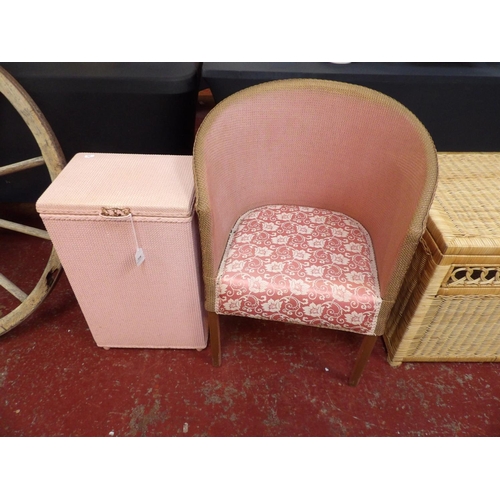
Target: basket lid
{"type": "Point", "coordinates": [145, 185]}
{"type": "Point", "coordinates": [465, 215]}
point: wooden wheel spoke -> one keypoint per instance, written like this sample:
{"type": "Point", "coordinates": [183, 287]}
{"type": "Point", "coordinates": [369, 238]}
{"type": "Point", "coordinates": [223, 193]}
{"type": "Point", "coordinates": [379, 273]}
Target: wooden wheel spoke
{"type": "Point", "coordinates": [12, 288]}
{"type": "Point", "coordinates": [22, 165]}
{"type": "Point", "coordinates": [53, 159]}
{"type": "Point", "coordinates": [21, 228]}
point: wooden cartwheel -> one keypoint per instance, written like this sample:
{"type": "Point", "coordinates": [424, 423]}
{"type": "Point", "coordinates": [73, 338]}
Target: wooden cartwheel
{"type": "Point", "coordinates": [53, 159]}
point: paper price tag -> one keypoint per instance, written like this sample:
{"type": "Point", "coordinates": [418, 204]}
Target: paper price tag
{"type": "Point", "coordinates": [139, 257]}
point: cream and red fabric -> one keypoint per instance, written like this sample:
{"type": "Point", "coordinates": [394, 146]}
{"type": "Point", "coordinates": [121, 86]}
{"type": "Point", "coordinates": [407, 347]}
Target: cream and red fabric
{"type": "Point", "coordinates": [300, 265]}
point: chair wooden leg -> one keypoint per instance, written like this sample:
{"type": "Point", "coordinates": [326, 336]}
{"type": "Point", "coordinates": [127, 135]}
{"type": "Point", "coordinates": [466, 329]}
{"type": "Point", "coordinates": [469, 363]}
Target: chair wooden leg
{"type": "Point", "coordinates": [362, 358]}
{"type": "Point", "coordinates": [214, 329]}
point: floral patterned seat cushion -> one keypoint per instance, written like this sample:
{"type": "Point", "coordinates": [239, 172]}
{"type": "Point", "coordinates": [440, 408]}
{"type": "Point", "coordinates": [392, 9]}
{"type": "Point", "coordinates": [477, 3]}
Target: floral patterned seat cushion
{"type": "Point", "coordinates": [300, 265]}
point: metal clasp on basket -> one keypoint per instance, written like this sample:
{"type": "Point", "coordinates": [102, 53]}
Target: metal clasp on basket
{"type": "Point", "coordinates": [115, 212]}
{"type": "Point", "coordinates": [123, 213]}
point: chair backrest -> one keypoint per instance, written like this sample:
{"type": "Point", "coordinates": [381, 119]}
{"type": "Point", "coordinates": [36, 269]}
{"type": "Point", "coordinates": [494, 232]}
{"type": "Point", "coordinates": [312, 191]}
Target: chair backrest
{"type": "Point", "coordinates": [321, 144]}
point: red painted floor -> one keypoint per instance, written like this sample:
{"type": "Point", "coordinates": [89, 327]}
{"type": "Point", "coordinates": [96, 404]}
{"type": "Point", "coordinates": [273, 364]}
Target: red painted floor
{"type": "Point", "coordinates": [276, 380]}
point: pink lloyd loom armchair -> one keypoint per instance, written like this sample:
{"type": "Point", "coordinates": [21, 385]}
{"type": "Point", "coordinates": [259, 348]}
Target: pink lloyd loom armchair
{"type": "Point", "coordinates": [312, 197]}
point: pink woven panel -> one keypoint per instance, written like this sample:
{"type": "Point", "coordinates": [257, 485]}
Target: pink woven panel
{"type": "Point", "coordinates": [158, 303]}
{"type": "Point", "coordinates": [300, 265]}
{"type": "Point", "coordinates": [151, 185]}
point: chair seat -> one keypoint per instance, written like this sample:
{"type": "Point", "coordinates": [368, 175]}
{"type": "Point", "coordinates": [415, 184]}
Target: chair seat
{"type": "Point", "coordinates": [300, 265]}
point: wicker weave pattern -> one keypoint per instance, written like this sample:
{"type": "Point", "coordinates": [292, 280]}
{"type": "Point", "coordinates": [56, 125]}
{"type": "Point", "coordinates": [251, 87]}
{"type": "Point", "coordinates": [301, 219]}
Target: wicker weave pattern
{"type": "Point", "coordinates": [98, 213]}
{"type": "Point", "coordinates": [471, 332]}
{"type": "Point", "coordinates": [465, 215]}
{"type": "Point", "coordinates": [150, 185]}
{"type": "Point", "coordinates": [473, 276]}
{"type": "Point", "coordinates": [449, 305]}
{"type": "Point", "coordinates": [156, 305]}
{"type": "Point", "coordinates": [380, 124]}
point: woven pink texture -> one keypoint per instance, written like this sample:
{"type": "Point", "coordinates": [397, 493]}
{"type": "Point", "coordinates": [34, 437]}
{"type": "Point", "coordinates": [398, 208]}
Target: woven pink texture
{"type": "Point", "coordinates": [157, 304]}
{"type": "Point", "coordinates": [319, 149]}
{"type": "Point", "coordinates": [300, 265]}
{"type": "Point", "coordinates": [151, 185]}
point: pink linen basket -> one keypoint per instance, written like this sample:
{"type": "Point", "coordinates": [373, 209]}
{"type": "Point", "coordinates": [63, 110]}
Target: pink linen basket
{"type": "Point", "coordinates": [99, 211]}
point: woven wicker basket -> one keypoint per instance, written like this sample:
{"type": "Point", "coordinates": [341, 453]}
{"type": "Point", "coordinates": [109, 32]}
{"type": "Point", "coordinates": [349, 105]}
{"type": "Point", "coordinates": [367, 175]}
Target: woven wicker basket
{"type": "Point", "coordinates": [449, 306]}
{"type": "Point", "coordinates": [102, 211]}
